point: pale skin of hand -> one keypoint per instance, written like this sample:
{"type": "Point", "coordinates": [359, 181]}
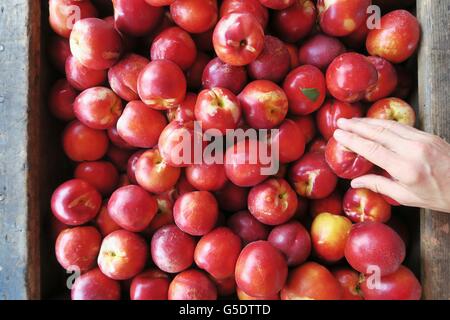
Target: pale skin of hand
{"type": "Point", "coordinates": [418, 162]}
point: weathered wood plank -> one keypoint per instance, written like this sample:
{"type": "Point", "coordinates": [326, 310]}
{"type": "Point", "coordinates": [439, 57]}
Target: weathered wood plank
{"type": "Point", "coordinates": [434, 117]}
{"type": "Point", "coordinates": [19, 99]}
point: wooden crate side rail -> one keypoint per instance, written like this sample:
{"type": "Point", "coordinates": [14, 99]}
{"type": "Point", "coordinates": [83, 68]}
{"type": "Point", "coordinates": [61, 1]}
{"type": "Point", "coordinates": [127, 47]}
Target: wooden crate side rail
{"type": "Point", "coordinates": [434, 117]}
{"type": "Point", "coordinates": [19, 111]}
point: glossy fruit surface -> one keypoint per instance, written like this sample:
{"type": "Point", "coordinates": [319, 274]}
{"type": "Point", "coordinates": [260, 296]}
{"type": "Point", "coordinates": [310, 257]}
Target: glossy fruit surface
{"type": "Point", "coordinates": [290, 140]}
{"type": "Point", "coordinates": [192, 285]}
{"type": "Point", "coordinates": [176, 45]}
{"type": "Point", "coordinates": [241, 167]}
{"type": "Point", "coordinates": [94, 285]}
{"type": "Point", "coordinates": [140, 126]}
{"type": "Point", "coordinates": [293, 240]}
{"type": "Point", "coordinates": [98, 108]}
{"type": "Point", "coordinates": [123, 255]}
{"type": "Point", "coordinates": [75, 202]}
{"type": "Point", "coordinates": [387, 79]}
{"type": "Point", "coordinates": [238, 39]}
{"type": "Point", "coordinates": [154, 174]}
{"type": "Point", "coordinates": [205, 177]}
{"type": "Point", "coordinates": [261, 270]}
{"type": "Point", "coordinates": [273, 63]}
{"type": "Point", "coordinates": [344, 162]}
{"type": "Point", "coordinates": [136, 18]}
{"type": "Point", "coordinates": [162, 85]}
{"type": "Point", "coordinates": [219, 74]}
{"type": "Point", "coordinates": [296, 21]}
{"type": "Point", "coordinates": [123, 76]}
{"type": "Point", "coordinates": [272, 202]}
{"type": "Point", "coordinates": [342, 17]}
{"type": "Point", "coordinates": [364, 205]}
{"type": "Point", "coordinates": [331, 204]}
{"type": "Point", "coordinates": [320, 50]}
{"type": "Point", "coordinates": [81, 77]}
{"type": "Point", "coordinates": [400, 285]}
{"type": "Point", "coordinates": [312, 177]}
{"type": "Point", "coordinates": [61, 14]}
{"type": "Point", "coordinates": [394, 109]}
{"type": "Point", "coordinates": [219, 109]}
{"type": "Point", "coordinates": [194, 16]}
{"type": "Point", "coordinates": [217, 253]}
{"type": "Point", "coordinates": [172, 250]}
{"type": "Point", "coordinates": [350, 283]}
{"type": "Point", "coordinates": [333, 110]}
{"type": "Point", "coordinates": [305, 89]}
{"type": "Point", "coordinates": [132, 208]}
{"type": "Point", "coordinates": [397, 39]}
{"type": "Point", "coordinates": [95, 43]}
{"type": "Point", "coordinates": [62, 97]}
{"type": "Point", "coordinates": [102, 175]}
{"type": "Point", "coordinates": [245, 225]}
{"type": "Point", "coordinates": [311, 281]}
{"type": "Point", "coordinates": [277, 4]}
{"type": "Point", "coordinates": [196, 212]}
{"type": "Point", "coordinates": [329, 234]}
{"type": "Point", "coordinates": [374, 247]}
{"type": "Point", "coordinates": [78, 247]}
{"type": "Point", "coordinates": [150, 285]}
{"type": "Point", "coordinates": [350, 76]}
{"type": "Point", "coordinates": [265, 104]}
{"type": "Point", "coordinates": [82, 143]}
{"type": "Point", "coordinates": [252, 7]}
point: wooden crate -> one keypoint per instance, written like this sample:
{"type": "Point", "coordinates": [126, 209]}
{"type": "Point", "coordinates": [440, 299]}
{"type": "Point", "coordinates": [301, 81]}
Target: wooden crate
{"type": "Point", "coordinates": [32, 164]}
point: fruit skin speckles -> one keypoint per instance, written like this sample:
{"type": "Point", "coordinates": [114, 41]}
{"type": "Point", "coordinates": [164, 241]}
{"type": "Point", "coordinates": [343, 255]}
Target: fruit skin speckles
{"type": "Point", "coordinates": [382, 246]}
{"type": "Point", "coordinates": [393, 109]}
{"type": "Point", "coordinates": [397, 39]}
{"type": "Point", "coordinates": [272, 202]}
{"type": "Point", "coordinates": [340, 18]}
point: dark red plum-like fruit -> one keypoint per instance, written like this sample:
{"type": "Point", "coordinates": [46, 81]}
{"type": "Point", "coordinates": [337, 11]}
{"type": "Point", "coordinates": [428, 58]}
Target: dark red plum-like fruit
{"type": "Point", "coordinates": [293, 240]}
{"type": "Point", "coordinates": [320, 50]}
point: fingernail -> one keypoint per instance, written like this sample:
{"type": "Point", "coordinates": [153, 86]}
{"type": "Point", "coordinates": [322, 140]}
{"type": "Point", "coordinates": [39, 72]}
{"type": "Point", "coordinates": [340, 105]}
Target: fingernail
{"type": "Point", "coordinates": [342, 122]}
{"type": "Point", "coordinates": [356, 184]}
{"type": "Point", "coordinates": [339, 134]}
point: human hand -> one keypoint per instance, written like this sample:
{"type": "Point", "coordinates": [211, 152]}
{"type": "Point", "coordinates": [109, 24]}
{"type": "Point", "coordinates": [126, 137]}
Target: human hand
{"type": "Point", "coordinates": [418, 162]}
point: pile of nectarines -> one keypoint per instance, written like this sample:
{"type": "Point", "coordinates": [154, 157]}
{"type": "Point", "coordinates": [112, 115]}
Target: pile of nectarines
{"type": "Point", "coordinates": [136, 78]}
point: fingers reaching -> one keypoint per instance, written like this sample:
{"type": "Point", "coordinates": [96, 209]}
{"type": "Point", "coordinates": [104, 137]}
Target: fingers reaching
{"type": "Point", "coordinates": [372, 151]}
{"type": "Point", "coordinates": [385, 186]}
{"type": "Point", "coordinates": [404, 131]}
{"type": "Point", "coordinates": [380, 134]}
